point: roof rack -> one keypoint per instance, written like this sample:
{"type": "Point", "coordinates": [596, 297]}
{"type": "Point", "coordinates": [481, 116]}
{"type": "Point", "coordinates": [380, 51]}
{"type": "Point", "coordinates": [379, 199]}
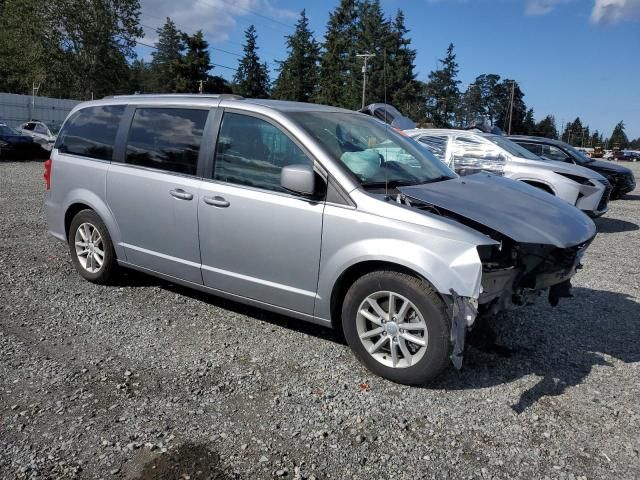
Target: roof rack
{"type": "Point", "coordinates": [179, 95]}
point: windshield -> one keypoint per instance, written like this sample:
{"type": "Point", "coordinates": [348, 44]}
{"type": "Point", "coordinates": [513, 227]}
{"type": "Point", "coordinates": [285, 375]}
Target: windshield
{"type": "Point", "coordinates": [5, 130]}
{"type": "Point", "coordinates": [513, 148]}
{"type": "Point", "coordinates": [579, 156]}
{"type": "Point", "coordinates": [374, 153]}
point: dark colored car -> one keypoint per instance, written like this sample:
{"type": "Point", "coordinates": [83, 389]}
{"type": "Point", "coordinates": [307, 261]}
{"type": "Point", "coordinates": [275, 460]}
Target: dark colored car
{"type": "Point", "coordinates": [389, 114]}
{"type": "Point", "coordinates": [14, 145]}
{"type": "Point", "coordinates": [621, 178]}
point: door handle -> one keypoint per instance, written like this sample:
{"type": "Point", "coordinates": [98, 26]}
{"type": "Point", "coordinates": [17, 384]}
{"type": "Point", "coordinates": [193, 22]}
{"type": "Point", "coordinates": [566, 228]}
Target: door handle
{"type": "Point", "coordinates": [181, 194]}
{"type": "Point", "coordinates": [216, 201]}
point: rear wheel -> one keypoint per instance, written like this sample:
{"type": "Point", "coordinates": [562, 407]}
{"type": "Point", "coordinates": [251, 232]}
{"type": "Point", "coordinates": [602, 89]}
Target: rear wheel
{"type": "Point", "coordinates": [91, 248]}
{"type": "Point", "coordinates": [398, 326]}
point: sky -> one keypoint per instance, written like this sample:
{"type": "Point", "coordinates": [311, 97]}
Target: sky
{"type": "Point", "coordinates": [571, 57]}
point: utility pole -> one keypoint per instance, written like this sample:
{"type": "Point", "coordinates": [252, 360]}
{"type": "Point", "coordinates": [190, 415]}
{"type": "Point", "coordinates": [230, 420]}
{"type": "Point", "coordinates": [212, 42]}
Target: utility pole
{"type": "Point", "coordinates": [200, 87]}
{"type": "Point", "coordinates": [34, 92]}
{"type": "Point", "coordinates": [366, 57]}
{"type": "Point", "coordinates": [513, 92]}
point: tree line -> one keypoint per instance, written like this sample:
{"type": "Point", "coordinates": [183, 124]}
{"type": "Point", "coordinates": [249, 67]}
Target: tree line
{"type": "Point", "coordinates": [85, 48]}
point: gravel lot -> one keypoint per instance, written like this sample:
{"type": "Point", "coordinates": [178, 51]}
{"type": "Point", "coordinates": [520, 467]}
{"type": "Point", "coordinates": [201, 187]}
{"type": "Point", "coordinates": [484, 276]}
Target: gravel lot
{"type": "Point", "coordinates": [149, 380]}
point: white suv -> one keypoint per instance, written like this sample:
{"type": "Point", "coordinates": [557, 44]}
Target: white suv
{"type": "Point", "coordinates": [469, 152]}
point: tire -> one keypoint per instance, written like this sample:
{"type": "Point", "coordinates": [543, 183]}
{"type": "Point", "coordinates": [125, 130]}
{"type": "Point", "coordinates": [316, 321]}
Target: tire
{"type": "Point", "coordinates": [101, 273]}
{"type": "Point", "coordinates": [426, 310]}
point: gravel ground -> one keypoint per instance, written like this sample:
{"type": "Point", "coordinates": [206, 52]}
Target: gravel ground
{"type": "Point", "coordinates": [149, 380]}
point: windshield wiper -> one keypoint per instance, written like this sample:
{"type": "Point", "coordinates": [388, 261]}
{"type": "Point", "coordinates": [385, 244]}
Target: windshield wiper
{"type": "Point", "coordinates": [389, 184]}
{"type": "Point", "coordinates": [441, 178]}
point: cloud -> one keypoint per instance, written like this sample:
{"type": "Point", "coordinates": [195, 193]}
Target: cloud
{"type": "Point", "coordinates": [542, 7]}
{"type": "Point", "coordinates": [615, 11]}
{"type": "Point", "coordinates": [216, 18]}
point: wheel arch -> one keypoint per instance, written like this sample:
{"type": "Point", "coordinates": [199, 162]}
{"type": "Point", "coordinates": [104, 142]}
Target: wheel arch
{"type": "Point", "coordinates": [356, 271]}
{"type": "Point", "coordinates": [85, 200]}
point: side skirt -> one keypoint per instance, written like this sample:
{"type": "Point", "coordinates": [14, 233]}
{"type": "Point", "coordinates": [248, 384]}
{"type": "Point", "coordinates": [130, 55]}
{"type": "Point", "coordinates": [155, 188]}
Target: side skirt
{"type": "Point", "coordinates": [230, 296]}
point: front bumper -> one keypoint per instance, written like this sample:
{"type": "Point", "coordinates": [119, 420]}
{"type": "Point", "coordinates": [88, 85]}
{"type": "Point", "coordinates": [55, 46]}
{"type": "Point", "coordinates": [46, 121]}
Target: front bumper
{"type": "Point", "coordinates": [507, 280]}
{"type": "Point", "coordinates": [593, 198]}
{"type": "Point", "coordinates": [621, 184]}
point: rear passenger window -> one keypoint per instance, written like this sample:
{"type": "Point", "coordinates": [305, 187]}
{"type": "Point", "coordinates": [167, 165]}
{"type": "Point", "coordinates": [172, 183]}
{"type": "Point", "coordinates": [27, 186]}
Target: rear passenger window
{"type": "Point", "coordinates": [252, 152]}
{"type": "Point", "coordinates": [91, 132]}
{"type": "Point", "coordinates": [166, 138]}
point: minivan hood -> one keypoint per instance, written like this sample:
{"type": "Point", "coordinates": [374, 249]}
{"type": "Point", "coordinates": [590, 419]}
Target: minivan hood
{"type": "Point", "coordinates": [519, 211]}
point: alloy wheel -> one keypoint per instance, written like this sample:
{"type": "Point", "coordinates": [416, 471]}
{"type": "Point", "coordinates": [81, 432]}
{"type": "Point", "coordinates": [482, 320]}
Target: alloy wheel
{"type": "Point", "coordinates": [392, 329]}
{"type": "Point", "coordinates": [89, 247]}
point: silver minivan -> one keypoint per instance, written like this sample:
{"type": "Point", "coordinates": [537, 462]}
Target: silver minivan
{"type": "Point", "coordinates": [319, 213]}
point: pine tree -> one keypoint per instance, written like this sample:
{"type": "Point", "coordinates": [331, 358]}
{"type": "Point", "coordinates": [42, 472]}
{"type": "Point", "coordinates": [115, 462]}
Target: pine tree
{"type": "Point", "coordinates": [298, 74]}
{"type": "Point", "coordinates": [507, 113]}
{"type": "Point", "coordinates": [443, 94]}
{"type": "Point", "coordinates": [619, 137]}
{"type": "Point", "coordinates": [374, 37]}
{"type": "Point", "coordinates": [338, 62]}
{"type": "Point", "coordinates": [166, 57]}
{"type": "Point", "coordinates": [252, 77]}
{"type": "Point", "coordinates": [403, 89]}
{"type": "Point", "coordinates": [529, 123]}
{"type": "Point", "coordinates": [546, 128]}
{"type": "Point", "coordinates": [193, 67]}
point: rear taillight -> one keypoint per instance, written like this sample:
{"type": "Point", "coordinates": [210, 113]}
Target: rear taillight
{"type": "Point", "coordinates": [47, 174]}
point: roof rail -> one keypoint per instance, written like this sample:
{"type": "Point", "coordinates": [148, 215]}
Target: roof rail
{"type": "Point", "coordinates": [178, 95]}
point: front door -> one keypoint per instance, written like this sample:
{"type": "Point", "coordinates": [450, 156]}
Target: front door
{"type": "Point", "coordinates": [256, 239]}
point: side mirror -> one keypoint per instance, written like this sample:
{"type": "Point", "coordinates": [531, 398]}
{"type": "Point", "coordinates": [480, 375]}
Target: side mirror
{"type": "Point", "coordinates": [298, 179]}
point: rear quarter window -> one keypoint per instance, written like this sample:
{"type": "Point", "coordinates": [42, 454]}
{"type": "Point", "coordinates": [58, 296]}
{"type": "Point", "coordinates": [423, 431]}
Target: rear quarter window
{"type": "Point", "coordinates": [91, 132]}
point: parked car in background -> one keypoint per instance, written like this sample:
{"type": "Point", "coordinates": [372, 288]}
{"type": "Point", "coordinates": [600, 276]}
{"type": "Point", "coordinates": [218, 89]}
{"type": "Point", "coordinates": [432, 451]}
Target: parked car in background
{"type": "Point", "coordinates": [621, 178]}
{"type": "Point", "coordinates": [389, 114]}
{"type": "Point", "coordinates": [42, 134]}
{"type": "Point", "coordinates": [470, 152]}
{"type": "Point", "coordinates": [14, 145]}
{"type": "Point", "coordinates": [319, 213]}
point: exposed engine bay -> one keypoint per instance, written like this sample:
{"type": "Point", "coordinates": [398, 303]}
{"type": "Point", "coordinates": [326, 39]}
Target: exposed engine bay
{"type": "Point", "coordinates": [512, 272]}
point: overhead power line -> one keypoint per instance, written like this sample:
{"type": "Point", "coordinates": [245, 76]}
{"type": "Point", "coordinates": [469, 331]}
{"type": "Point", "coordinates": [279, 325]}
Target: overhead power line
{"type": "Point", "coordinates": [156, 48]}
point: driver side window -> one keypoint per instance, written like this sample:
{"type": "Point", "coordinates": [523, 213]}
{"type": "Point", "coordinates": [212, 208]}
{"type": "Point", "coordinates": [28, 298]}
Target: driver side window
{"type": "Point", "coordinates": [252, 152]}
{"type": "Point", "coordinates": [554, 153]}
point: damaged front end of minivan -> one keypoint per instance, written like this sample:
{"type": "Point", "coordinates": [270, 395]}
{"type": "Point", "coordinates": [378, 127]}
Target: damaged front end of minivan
{"type": "Point", "coordinates": [532, 253]}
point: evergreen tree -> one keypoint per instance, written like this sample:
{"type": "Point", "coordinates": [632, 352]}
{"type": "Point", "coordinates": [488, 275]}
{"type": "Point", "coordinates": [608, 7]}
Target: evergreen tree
{"type": "Point", "coordinates": [374, 36]}
{"type": "Point", "coordinates": [619, 137]}
{"type": "Point", "coordinates": [166, 57]}
{"type": "Point", "coordinates": [403, 90]}
{"type": "Point", "coordinates": [508, 114]}
{"type": "Point", "coordinates": [529, 123]}
{"type": "Point", "coordinates": [252, 77]}
{"type": "Point", "coordinates": [338, 63]}
{"type": "Point", "coordinates": [546, 128]}
{"type": "Point", "coordinates": [472, 108]}
{"type": "Point", "coordinates": [443, 95]}
{"type": "Point", "coordinates": [298, 74]}
{"type": "Point", "coordinates": [193, 67]}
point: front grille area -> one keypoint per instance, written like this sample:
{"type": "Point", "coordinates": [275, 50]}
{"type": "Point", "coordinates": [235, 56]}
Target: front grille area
{"type": "Point", "coordinates": [605, 196]}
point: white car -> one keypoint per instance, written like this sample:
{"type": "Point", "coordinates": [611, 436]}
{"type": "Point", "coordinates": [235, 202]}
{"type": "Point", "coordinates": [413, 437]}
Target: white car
{"type": "Point", "coordinates": [40, 133]}
{"type": "Point", "coordinates": [469, 152]}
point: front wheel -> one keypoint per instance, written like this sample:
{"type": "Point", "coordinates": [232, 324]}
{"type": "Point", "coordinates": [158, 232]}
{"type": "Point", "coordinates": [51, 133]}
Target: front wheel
{"type": "Point", "coordinates": [398, 326]}
{"type": "Point", "coordinates": [91, 248]}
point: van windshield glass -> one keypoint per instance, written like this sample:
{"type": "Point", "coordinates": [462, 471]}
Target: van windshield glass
{"type": "Point", "coordinates": [513, 148]}
{"type": "Point", "coordinates": [373, 152]}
